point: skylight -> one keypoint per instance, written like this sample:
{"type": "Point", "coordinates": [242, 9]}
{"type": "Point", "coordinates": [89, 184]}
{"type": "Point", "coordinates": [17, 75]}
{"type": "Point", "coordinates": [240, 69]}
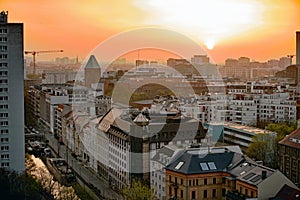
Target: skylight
{"type": "Point", "coordinates": [212, 165]}
{"type": "Point", "coordinates": [204, 166]}
{"type": "Point", "coordinates": [179, 165]}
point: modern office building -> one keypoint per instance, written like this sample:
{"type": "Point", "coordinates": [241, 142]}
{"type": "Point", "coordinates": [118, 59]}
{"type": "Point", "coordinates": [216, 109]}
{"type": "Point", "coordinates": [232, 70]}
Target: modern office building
{"type": "Point", "coordinates": [12, 149]}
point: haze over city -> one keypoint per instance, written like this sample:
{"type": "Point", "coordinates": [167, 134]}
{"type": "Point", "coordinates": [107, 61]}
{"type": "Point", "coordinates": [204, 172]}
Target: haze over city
{"type": "Point", "coordinates": [260, 30]}
{"type": "Point", "coordinates": [150, 99]}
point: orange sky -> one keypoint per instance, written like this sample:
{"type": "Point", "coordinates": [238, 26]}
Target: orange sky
{"type": "Point", "coordinates": [259, 29]}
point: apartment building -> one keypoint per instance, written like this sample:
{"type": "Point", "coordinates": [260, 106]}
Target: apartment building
{"type": "Point", "coordinates": [219, 173]}
{"type": "Point", "coordinates": [289, 155]}
{"type": "Point", "coordinates": [12, 152]}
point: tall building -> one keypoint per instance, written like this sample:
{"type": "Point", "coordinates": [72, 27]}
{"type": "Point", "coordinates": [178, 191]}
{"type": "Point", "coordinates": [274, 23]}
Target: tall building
{"type": "Point", "coordinates": [92, 71]}
{"type": "Point", "coordinates": [12, 148]}
{"type": "Point", "coordinates": [298, 48]}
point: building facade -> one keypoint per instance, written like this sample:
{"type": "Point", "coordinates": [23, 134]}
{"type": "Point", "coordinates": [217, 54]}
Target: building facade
{"type": "Point", "coordinates": [289, 155]}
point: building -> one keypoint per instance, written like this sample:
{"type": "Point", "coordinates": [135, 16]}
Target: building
{"type": "Point", "coordinates": [133, 139]}
{"type": "Point", "coordinates": [92, 72]}
{"type": "Point", "coordinates": [58, 77]}
{"type": "Point", "coordinates": [11, 95]}
{"type": "Point", "coordinates": [298, 48]}
{"type": "Point", "coordinates": [44, 99]}
{"type": "Point", "coordinates": [287, 192]}
{"type": "Point", "coordinates": [220, 173]}
{"type": "Point", "coordinates": [289, 151]}
{"type": "Point", "coordinates": [157, 165]}
{"type": "Point", "coordinates": [200, 59]}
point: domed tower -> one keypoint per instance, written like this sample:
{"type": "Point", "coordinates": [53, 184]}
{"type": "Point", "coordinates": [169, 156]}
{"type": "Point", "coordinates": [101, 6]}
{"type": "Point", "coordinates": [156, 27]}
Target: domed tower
{"type": "Point", "coordinates": [92, 72]}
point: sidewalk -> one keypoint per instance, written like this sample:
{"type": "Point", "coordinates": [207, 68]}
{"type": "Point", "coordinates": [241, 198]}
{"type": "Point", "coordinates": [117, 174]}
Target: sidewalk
{"type": "Point", "coordinates": [87, 174]}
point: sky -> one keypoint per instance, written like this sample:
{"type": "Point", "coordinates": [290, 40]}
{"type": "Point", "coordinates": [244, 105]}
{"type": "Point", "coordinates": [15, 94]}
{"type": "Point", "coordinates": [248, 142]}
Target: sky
{"type": "Point", "coordinates": [259, 29]}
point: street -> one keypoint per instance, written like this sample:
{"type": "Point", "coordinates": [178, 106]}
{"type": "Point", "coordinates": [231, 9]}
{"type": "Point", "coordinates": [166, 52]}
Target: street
{"type": "Point", "coordinates": [84, 172]}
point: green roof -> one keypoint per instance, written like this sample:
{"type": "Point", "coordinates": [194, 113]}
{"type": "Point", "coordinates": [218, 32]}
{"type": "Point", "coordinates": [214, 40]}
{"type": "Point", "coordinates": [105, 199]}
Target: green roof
{"type": "Point", "coordinates": [92, 63]}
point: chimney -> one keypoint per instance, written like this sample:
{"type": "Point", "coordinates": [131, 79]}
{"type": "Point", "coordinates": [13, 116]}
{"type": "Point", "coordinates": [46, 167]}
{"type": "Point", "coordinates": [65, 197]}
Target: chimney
{"type": "Point", "coordinates": [298, 48]}
{"type": "Point", "coordinates": [263, 174]}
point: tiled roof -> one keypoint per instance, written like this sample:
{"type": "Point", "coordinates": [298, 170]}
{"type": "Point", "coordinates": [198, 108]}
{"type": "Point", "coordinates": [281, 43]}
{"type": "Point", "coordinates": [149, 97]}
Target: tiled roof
{"type": "Point", "coordinates": [292, 140]}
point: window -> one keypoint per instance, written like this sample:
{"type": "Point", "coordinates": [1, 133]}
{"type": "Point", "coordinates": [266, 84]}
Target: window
{"type": "Point", "coordinates": [3, 39]}
{"type": "Point", "coordinates": [4, 123]}
{"type": "Point", "coordinates": [205, 181]}
{"type": "Point", "coordinates": [3, 48]}
{"type": "Point", "coordinates": [4, 148]}
{"type": "Point", "coordinates": [214, 193]}
{"type": "Point", "coordinates": [4, 131]}
{"type": "Point", "coordinates": [204, 193]}
{"type": "Point", "coordinates": [214, 181]}
{"type": "Point", "coordinates": [3, 115]}
{"type": "Point", "coordinates": [212, 165]}
{"type": "Point", "coordinates": [193, 194]}
{"type": "Point", "coordinates": [181, 193]}
{"type": "Point", "coordinates": [179, 165]}
{"type": "Point", "coordinates": [5, 164]}
{"type": "Point", "coordinates": [3, 65]}
{"type": "Point", "coordinates": [204, 166]}
{"type": "Point", "coordinates": [3, 73]}
{"type": "Point", "coordinates": [4, 139]}
{"type": "Point", "coordinates": [223, 180]}
{"type": "Point", "coordinates": [3, 56]}
{"type": "Point", "coordinates": [3, 89]}
{"type": "Point", "coordinates": [5, 156]}
{"type": "Point", "coordinates": [5, 98]}
{"type": "Point", "coordinates": [3, 30]}
{"type": "Point", "coordinates": [223, 192]}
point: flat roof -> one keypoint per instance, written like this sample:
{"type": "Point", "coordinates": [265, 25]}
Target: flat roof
{"type": "Point", "coordinates": [247, 128]}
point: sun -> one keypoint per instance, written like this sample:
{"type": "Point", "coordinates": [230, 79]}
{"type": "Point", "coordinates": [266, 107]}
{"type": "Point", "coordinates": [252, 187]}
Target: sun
{"type": "Point", "coordinates": [209, 43]}
{"type": "Point", "coordinates": [204, 19]}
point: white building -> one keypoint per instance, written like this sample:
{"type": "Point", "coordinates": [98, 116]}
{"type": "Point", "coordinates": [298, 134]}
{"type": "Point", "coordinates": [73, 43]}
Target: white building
{"type": "Point", "coordinates": [157, 166]}
{"type": "Point", "coordinates": [11, 95]}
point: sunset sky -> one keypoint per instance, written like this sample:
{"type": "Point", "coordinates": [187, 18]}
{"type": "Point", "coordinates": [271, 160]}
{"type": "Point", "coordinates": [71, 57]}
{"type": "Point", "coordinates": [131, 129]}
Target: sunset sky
{"type": "Point", "coordinates": [259, 29]}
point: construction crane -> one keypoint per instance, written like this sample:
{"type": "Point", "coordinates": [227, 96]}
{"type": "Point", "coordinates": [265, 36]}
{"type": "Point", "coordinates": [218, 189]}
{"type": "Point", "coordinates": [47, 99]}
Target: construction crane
{"type": "Point", "coordinates": [34, 53]}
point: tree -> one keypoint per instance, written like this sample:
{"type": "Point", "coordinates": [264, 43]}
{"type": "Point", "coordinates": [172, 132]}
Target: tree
{"type": "Point", "coordinates": [137, 191]}
{"type": "Point", "coordinates": [264, 148]}
{"type": "Point", "coordinates": [282, 129]}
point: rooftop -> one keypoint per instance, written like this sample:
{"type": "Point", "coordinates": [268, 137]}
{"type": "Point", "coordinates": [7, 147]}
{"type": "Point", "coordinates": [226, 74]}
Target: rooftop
{"type": "Point", "coordinates": [247, 128]}
{"type": "Point", "coordinates": [212, 160]}
{"type": "Point", "coordinates": [292, 140]}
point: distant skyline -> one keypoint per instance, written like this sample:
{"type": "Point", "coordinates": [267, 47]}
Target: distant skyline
{"type": "Point", "coordinates": [260, 30]}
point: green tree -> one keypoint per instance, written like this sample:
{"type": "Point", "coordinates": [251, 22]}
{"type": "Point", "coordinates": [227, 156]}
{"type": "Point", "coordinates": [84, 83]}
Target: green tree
{"type": "Point", "coordinates": [137, 191]}
{"type": "Point", "coordinates": [264, 148]}
{"type": "Point", "coordinates": [282, 129]}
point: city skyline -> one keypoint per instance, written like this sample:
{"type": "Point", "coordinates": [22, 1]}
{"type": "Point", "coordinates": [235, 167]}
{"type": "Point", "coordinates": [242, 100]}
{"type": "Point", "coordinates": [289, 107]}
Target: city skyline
{"type": "Point", "coordinates": [263, 30]}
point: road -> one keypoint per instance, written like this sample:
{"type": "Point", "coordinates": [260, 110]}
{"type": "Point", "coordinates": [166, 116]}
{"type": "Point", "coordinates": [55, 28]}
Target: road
{"type": "Point", "coordinates": [86, 173]}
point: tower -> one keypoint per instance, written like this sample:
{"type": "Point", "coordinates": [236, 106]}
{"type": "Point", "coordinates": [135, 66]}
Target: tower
{"type": "Point", "coordinates": [12, 147]}
{"type": "Point", "coordinates": [298, 48]}
{"type": "Point", "coordinates": [92, 72]}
